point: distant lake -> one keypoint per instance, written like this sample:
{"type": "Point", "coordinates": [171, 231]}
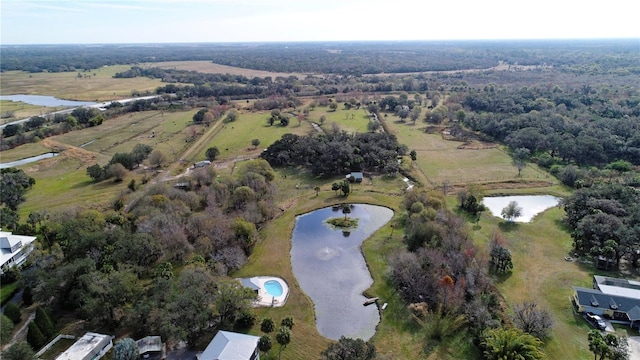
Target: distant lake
{"type": "Point", "coordinates": [531, 205]}
{"type": "Point", "coordinates": [41, 100]}
{"type": "Point", "coordinates": [27, 160]}
{"type": "Point", "coordinates": [330, 268]}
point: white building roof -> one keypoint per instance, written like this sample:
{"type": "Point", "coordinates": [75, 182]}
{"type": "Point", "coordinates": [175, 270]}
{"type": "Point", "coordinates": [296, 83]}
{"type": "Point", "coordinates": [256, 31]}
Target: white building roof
{"type": "Point", "coordinates": [228, 345]}
{"type": "Point", "coordinates": [617, 286]}
{"type": "Point", "coordinates": [89, 346]}
{"type": "Point", "coordinates": [8, 241]}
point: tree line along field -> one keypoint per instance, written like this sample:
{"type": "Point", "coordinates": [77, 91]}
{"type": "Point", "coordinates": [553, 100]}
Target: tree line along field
{"type": "Point", "coordinates": [540, 272]}
{"type": "Point", "coordinates": [91, 85]}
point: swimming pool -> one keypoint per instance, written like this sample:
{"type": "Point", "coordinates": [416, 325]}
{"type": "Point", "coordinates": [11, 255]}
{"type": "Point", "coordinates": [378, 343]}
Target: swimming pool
{"type": "Point", "coordinates": [273, 287]}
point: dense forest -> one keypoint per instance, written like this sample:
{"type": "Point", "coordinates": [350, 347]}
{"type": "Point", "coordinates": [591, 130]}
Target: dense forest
{"type": "Point", "coordinates": [91, 263]}
{"type": "Point", "coordinates": [346, 58]}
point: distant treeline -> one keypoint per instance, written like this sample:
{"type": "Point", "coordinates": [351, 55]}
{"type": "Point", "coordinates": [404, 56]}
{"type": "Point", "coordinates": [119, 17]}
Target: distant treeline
{"type": "Point", "coordinates": [352, 58]}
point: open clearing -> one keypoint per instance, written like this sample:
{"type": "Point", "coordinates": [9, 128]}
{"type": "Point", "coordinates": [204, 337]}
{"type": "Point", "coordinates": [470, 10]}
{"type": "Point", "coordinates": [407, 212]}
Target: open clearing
{"type": "Point", "coordinates": [212, 68]}
{"type": "Point", "coordinates": [95, 85]}
{"type": "Point", "coordinates": [443, 160]}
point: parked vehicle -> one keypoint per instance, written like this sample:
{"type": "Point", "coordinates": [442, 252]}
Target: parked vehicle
{"type": "Point", "coordinates": [596, 320]}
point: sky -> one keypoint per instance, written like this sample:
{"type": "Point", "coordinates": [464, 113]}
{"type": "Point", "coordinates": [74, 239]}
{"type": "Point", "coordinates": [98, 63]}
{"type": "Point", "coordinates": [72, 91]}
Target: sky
{"type": "Point", "coordinates": [171, 21]}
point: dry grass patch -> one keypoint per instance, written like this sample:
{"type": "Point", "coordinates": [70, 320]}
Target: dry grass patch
{"type": "Point", "coordinates": [213, 68]}
{"type": "Point", "coordinates": [98, 85]}
{"type": "Point", "coordinates": [20, 110]}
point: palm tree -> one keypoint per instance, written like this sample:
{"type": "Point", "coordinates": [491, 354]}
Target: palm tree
{"type": "Point", "coordinates": [283, 337]}
{"type": "Point", "coordinates": [265, 344]}
{"type": "Point", "coordinates": [511, 344]}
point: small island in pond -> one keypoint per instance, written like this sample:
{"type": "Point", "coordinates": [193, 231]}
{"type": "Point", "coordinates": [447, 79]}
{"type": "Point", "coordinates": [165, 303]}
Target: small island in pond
{"type": "Point", "coordinates": [344, 223]}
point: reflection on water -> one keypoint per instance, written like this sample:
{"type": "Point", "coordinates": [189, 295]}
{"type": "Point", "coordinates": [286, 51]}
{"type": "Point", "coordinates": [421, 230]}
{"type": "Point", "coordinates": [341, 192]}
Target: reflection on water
{"type": "Point", "coordinates": [531, 205]}
{"type": "Point", "coordinates": [331, 270]}
{"type": "Point", "coordinates": [27, 160]}
{"type": "Point", "coordinates": [41, 100]}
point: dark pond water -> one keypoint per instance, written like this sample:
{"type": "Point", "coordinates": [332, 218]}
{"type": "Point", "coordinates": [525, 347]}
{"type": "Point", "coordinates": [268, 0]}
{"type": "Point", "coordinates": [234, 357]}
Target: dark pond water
{"type": "Point", "coordinates": [27, 160]}
{"type": "Point", "coordinates": [331, 270]}
{"type": "Point", "coordinates": [42, 100]}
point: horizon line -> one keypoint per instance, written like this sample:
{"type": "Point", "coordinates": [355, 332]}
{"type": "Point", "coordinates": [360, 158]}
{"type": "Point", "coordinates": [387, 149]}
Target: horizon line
{"type": "Point", "coordinates": [331, 41]}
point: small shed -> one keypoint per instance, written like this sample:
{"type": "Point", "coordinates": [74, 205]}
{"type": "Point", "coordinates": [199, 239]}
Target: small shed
{"type": "Point", "coordinates": [151, 348]}
{"type": "Point", "coordinates": [357, 176]}
{"type": "Point", "coordinates": [201, 164]}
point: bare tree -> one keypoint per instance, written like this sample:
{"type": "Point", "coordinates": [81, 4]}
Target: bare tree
{"type": "Point", "coordinates": [157, 158]}
{"type": "Point", "coordinates": [532, 320]}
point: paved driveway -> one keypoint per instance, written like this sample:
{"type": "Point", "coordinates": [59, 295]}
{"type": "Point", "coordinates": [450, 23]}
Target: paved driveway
{"type": "Point", "coordinates": [634, 347]}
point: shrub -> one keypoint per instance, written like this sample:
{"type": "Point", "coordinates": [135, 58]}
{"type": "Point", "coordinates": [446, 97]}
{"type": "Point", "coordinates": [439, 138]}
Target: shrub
{"type": "Point", "coordinates": [6, 328]}
{"type": "Point", "coordinates": [44, 322]}
{"type": "Point", "coordinates": [27, 296]}
{"type": "Point", "coordinates": [18, 351]}
{"type": "Point", "coordinates": [35, 338]}
{"type": "Point", "coordinates": [13, 312]}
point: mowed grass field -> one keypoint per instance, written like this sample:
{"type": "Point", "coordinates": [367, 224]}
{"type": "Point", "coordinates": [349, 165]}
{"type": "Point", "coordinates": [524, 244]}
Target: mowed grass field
{"type": "Point", "coordinates": [165, 131]}
{"type": "Point", "coordinates": [542, 275]}
{"type": "Point", "coordinates": [94, 85]}
{"type": "Point", "coordinates": [351, 121]}
{"type": "Point", "coordinates": [234, 138]}
{"type": "Point", "coordinates": [63, 181]}
{"type": "Point", "coordinates": [442, 160]}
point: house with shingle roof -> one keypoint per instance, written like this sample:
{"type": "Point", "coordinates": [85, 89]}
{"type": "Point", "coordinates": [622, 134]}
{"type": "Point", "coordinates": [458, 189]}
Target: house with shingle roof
{"type": "Point", "coordinates": [613, 298]}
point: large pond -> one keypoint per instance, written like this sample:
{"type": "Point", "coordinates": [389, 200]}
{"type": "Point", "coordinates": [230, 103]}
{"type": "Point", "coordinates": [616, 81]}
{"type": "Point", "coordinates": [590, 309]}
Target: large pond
{"type": "Point", "coordinates": [531, 205]}
{"type": "Point", "coordinates": [42, 100]}
{"type": "Point", "coordinates": [331, 270]}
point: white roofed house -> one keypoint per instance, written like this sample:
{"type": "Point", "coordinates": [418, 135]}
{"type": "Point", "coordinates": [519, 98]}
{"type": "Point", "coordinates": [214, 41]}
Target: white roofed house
{"type": "Point", "coordinates": [227, 345]}
{"type": "Point", "coordinates": [14, 249]}
{"type": "Point", "coordinates": [91, 346]}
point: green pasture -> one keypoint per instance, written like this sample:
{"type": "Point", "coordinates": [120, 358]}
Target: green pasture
{"type": "Point", "coordinates": [24, 151]}
{"type": "Point", "coordinates": [351, 121]}
{"type": "Point", "coordinates": [165, 131]}
{"type": "Point", "coordinates": [93, 85]}
{"type": "Point", "coordinates": [234, 139]}
{"type": "Point", "coordinates": [541, 274]}
{"type": "Point", "coordinates": [62, 182]}
{"type": "Point", "coordinates": [20, 110]}
{"type": "Point", "coordinates": [442, 160]}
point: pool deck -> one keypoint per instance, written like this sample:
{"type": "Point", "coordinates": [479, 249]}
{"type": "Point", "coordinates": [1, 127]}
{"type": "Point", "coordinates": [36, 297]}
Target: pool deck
{"type": "Point", "coordinates": [264, 298]}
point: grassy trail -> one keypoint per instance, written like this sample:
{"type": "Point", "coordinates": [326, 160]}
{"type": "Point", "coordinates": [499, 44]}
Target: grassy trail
{"type": "Point", "coordinates": [198, 146]}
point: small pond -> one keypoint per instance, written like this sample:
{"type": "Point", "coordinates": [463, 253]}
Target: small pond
{"type": "Point", "coordinates": [41, 100]}
{"type": "Point", "coordinates": [331, 270]}
{"type": "Point", "coordinates": [531, 205]}
{"type": "Point", "coordinates": [27, 160]}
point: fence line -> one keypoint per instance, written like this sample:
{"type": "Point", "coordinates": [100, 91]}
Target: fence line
{"type": "Point", "coordinates": [53, 342]}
